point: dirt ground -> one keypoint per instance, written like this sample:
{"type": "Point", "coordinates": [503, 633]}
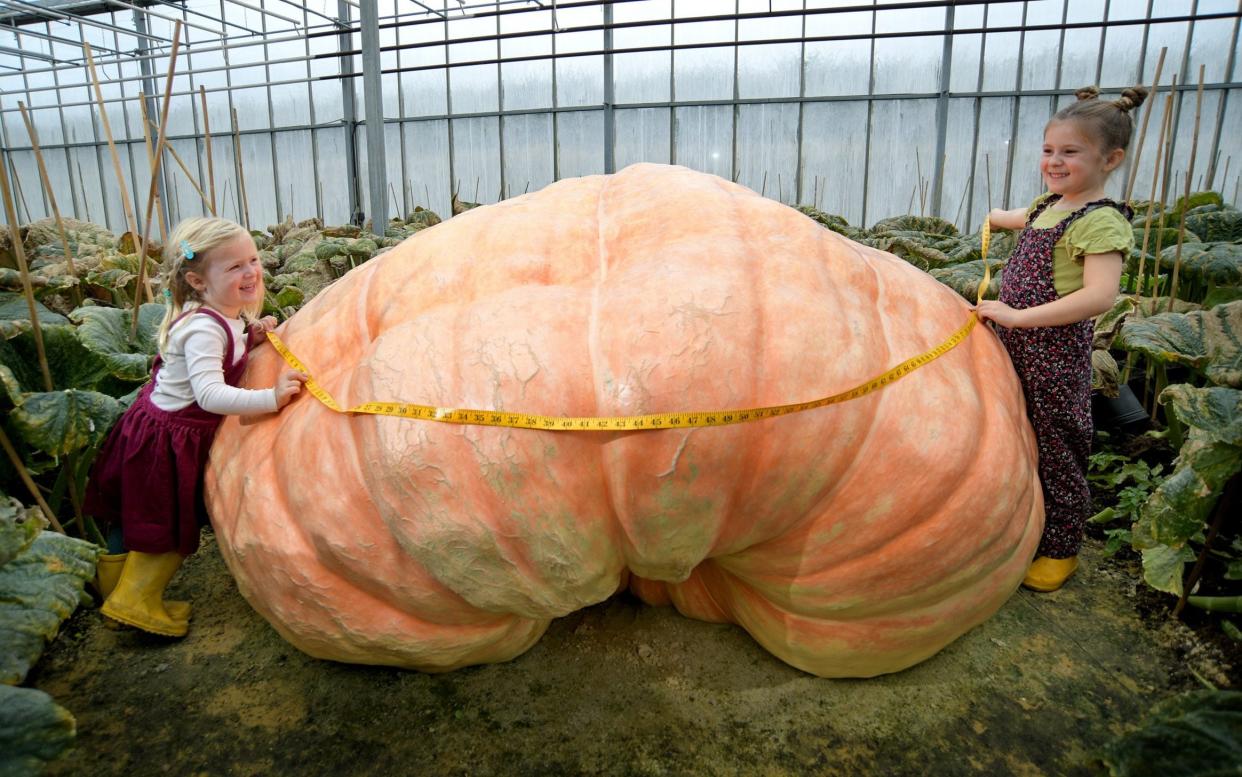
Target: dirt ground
{"type": "Point", "coordinates": [621, 689]}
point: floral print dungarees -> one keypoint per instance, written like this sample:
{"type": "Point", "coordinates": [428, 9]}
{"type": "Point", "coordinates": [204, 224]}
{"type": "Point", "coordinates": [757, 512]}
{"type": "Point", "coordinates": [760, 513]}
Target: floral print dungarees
{"type": "Point", "coordinates": [1054, 366]}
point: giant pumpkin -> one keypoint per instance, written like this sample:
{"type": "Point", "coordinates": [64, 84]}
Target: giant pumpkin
{"type": "Point", "coordinates": [850, 540]}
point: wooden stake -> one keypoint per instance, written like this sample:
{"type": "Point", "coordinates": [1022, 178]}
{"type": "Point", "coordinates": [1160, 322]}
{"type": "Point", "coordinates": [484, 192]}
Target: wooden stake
{"type": "Point", "coordinates": [17, 183]}
{"type": "Point", "coordinates": [86, 201]}
{"type": "Point", "coordinates": [1164, 185]}
{"type": "Point", "coordinates": [146, 136]}
{"type": "Point", "coordinates": [25, 475]}
{"type": "Point", "coordinates": [160, 142]}
{"type": "Point", "coordinates": [130, 220]}
{"type": "Point", "coordinates": [987, 165]}
{"type": "Point", "coordinates": [1138, 154]}
{"type": "Point", "coordinates": [51, 197]}
{"type": "Point", "coordinates": [1181, 220]}
{"type": "Point", "coordinates": [241, 172]}
{"type": "Point", "coordinates": [19, 253]}
{"type": "Point", "coordinates": [1155, 176]}
{"type": "Point", "coordinates": [190, 176]}
{"type": "Point", "coordinates": [211, 170]}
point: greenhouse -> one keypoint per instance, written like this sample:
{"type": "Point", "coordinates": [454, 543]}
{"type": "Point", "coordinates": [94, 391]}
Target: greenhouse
{"type": "Point", "coordinates": [638, 387]}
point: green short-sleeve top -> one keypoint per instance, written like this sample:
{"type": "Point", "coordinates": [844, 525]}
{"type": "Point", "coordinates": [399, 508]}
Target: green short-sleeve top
{"type": "Point", "coordinates": [1098, 232]}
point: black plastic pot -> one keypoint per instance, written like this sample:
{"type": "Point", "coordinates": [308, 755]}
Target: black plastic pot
{"type": "Point", "coordinates": [1124, 412]}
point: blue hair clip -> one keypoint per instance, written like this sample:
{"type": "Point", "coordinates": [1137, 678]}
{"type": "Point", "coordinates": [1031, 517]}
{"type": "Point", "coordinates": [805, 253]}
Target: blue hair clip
{"type": "Point", "coordinates": [186, 251]}
{"type": "Point", "coordinates": [168, 294]}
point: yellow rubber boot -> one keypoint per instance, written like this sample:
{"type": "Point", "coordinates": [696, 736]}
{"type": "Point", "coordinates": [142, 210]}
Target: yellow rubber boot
{"type": "Point", "coordinates": [1048, 574]}
{"type": "Point", "coordinates": [108, 572]}
{"type": "Point", "coordinates": [138, 599]}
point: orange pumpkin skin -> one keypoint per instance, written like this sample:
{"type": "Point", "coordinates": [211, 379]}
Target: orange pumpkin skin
{"type": "Point", "coordinates": [850, 540]}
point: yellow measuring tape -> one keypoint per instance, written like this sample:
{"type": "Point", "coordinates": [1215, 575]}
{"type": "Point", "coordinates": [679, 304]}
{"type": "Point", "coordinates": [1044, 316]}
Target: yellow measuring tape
{"type": "Point", "coordinates": [985, 237]}
{"type": "Point", "coordinates": [636, 422]}
{"type": "Point", "coordinates": [617, 423]}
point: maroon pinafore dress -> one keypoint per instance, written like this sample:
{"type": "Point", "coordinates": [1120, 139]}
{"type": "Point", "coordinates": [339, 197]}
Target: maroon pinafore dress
{"type": "Point", "coordinates": [148, 475]}
{"type": "Point", "coordinates": [1054, 366]}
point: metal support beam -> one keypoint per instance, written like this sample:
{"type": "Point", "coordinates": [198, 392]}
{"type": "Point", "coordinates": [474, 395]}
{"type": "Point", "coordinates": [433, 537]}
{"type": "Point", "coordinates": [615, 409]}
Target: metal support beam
{"type": "Point", "coordinates": [942, 114]}
{"type": "Point", "coordinates": [373, 103]}
{"type": "Point", "coordinates": [349, 116]}
{"type": "Point", "coordinates": [150, 90]}
{"type": "Point", "coordinates": [610, 97]}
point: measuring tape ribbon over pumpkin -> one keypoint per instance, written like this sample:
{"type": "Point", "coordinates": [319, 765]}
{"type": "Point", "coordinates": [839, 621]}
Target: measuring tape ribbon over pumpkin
{"type": "Point", "coordinates": [618, 423]}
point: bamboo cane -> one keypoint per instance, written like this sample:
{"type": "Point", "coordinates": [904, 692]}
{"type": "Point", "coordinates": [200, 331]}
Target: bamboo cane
{"type": "Point", "coordinates": [1181, 220]}
{"type": "Point", "coordinates": [241, 172]}
{"type": "Point", "coordinates": [211, 170]}
{"type": "Point", "coordinates": [17, 184]}
{"type": "Point", "coordinates": [51, 196]}
{"type": "Point", "coordinates": [160, 142]}
{"type": "Point", "coordinates": [146, 137]}
{"type": "Point", "coordinates": [1138, 153]}
{"type": "Point", "coordinates": [190, 176]}
{"type": "Point", "coordinates": [86, 201]}
{"type": "Point", "coordinates": [130, 220]}
{"type": "Point", "coordinates": [25, 474]}
{"type": "Point", "coordinates": [987, 166]}
{"type": "Point", "coordinates": [19, 253]}
{"type": "Point", "coordinates": [1164, 188]}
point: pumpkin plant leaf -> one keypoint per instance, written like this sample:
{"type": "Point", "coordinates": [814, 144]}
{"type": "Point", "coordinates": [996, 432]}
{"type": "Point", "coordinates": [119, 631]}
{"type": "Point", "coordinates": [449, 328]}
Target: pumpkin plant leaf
{"type": "Point", "coordinates": [1105, 374]}
{"type": "Point", "coordinates": [15, 315]}
{"type": "Point", "coordinates": [1108, 323]}
{"type": "Point", "coordinates": [1224, 225]}
{"type": "Point", "coordinates": [964, 278]}
{"type": "Point", "coordinates": [19, 526]}
{"type": "Point", "coordinates": [1164, 567]}
{"type": "Point", "coordinates": [42, 587]}
{"type": "Point", "coordinates": [1197, 733]}
{"type": "Point", "coordinates": [1219, 263]}
{"type": "Point", "coordinates": [106, 333]}
{"type": "Point", "coordinates": [33, 730]}
{"type": "Point", "coordinates": [1207, 340]}
{"type": "Point", "coordinates": [1211, 455]}
{"type": "Point", "coordinates": [60, 422]}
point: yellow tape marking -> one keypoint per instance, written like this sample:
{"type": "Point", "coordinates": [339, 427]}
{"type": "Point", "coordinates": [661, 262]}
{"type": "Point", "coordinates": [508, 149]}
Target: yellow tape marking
{"type": "Point", "coordinates": [985, 237]}
{"type": "Point", "coordinates": [618, 423]}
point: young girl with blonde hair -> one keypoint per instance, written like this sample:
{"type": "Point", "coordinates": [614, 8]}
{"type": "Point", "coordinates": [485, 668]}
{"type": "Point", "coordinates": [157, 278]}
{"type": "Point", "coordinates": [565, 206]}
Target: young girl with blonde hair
{"type": "Point", "coordinates": [148, 477]}
{"type": "Point", "coordinates": [1065, 270]}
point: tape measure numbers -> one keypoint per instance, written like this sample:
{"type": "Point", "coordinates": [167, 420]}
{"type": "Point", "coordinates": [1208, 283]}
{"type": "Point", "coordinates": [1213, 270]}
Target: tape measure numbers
{"type": "Point", "coordinates": [619, 423]}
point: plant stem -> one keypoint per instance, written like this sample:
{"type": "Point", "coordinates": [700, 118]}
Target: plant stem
{"type": "Point", "coordinates": [1223, 507]}
{"type": "Point", "coordinates": [22, 472]}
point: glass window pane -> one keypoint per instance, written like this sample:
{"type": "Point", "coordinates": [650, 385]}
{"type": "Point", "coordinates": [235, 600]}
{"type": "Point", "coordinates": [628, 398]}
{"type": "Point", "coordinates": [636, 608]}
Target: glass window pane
{"type": "Point", "coordinates": [832, 165]}
{"type": "Point", "coordinates": [838, 67]}
{"type": "Point", "coordinates": [528, 153]}
{"type": "Point", "coordinates": [703, 139]}
{"type": "Point", "coordinates": [476, 159]}
{"type": "Point", "coordinates": [642, 136]}
{"type": "Point", "coordinates": [767, 150]}
{"type": "Point", "coordinates": [703, 74]}
{"type": "Point", "coordinates": [893, 183]}
{"type": "Point", "coordinates": [580, 143]}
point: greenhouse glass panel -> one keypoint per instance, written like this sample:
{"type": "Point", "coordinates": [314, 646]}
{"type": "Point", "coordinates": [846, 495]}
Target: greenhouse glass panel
{"type": "Point", "coordinates": [580, 143]}
{"type": "Point", "coordinates": [474, 88]}
{"type": "Point", "coordinates": [1000, 49]}
{"type": "Point", "coordinates": [767, 150]}
{"type": "Point", "coordinates": [297, 178]}
{"type": "Point", "coordinates": [1026, 180]}
{"type": "Point", "coordinates": [703, 74]}
{"type": "Point", "coordinates": [529, 154]}
{"type": "Point", "coordinates": [769, 70]}
{"type": "Point", "coordinates": [991, 155]}
{"type": "Point", "coordinates": [958, 162]}
{"type": "Point", "coordinates": [642, 136]}
{"type": "Point", "coordinates": [260, 195]}
{"type": "Point", "coordinates": [964, 74]}
{"type": "Point", "coordinates": [91, 188]}
{"type": "Point", "coordinates": [422, 91]}
{"type": "Point", "coordinates": [839, 67]}
{"type": "Point", "coordinates": [901, 141]}
{"type": "Point", "coordinates": [526, 84]}
{"type": "Point", "coordinates": [833, 162]}
{"type": "Point", "coordinates": [1121, 61]}
{"type": "Point", "coordinates": [642, 76]}
{"type": "Point", "coordinates": [580, 80]}
{"type": "Point", "coordinates": [1211, 42]}
{"type": "Point", "coordinates": [29, 207]}
{"type": "Point", "coordinates": [333, 147]}
{"type": "Point", "coordinates": [476, 159]}
{"type": "Point", "coordinates": [1081, 48]}
{"type": "Point", "coordinates": [905, 65]}
{"type": "Point", "coordinates": [1041, 49]}
{"type": "Point", "coordinates": [703, 139]}
{"type": "Point", "coordinates": [428, 176]}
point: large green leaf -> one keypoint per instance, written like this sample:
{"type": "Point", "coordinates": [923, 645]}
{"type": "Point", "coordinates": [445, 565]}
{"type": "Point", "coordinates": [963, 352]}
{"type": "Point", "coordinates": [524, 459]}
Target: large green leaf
{"type": "Point", "coordinates": [41, 588]}
{"type": "Point", "coordinates": [1207, 340]}
{"type": "Point", "coordinates": [33, 730]}
{"type": "Point", "coordinates": [61, 422]}
{"type": "Point", "coordinates": [1224, 225]}
{"type": "Point", "coordinates": [1178, 509]}
{"type": "Point", "coordinates": [1196, 734]}
{"type": "Point", "coordinates": [1108, 323]}
{"type": "Point", "coordinates": [106, 332]}
{"type": "Point", "coordinates": [19, 526]}
{"type": "Point", "coordinates": [15, 315]}
{"type": "Point", "coordinates": [829, 220]}
{"type": "Point", "coordinates": [71, 365]}
{"type": "Point", "coordinates": [1164, 567]}
{"type": "Point", "coordinates": [929, 225]}
{"type": "Point", "coordinates": [964, 278]}
{"type": "Point", "coordinates": [1219, 263]}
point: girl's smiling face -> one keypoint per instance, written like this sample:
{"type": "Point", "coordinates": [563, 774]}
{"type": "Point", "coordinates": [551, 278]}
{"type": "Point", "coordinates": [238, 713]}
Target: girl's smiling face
{"type": "Point", "coordinates": [232, 279]}
{"type": "Point", "coordinates": [1073, 164]}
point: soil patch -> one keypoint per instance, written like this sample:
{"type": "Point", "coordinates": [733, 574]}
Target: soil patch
{"type": "Point", "coordinates": [622, 689]}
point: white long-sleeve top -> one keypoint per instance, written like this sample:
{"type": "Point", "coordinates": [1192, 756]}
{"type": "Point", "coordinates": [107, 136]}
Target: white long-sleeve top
{"type": "Point", "coordinates": [193, 370]}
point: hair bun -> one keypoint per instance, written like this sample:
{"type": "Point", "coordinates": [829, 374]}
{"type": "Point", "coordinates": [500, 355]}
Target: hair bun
{"type": "Point", "coordinates": [1131, 98]}
{"type": "Point", "coordinates": [1087, 93]}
